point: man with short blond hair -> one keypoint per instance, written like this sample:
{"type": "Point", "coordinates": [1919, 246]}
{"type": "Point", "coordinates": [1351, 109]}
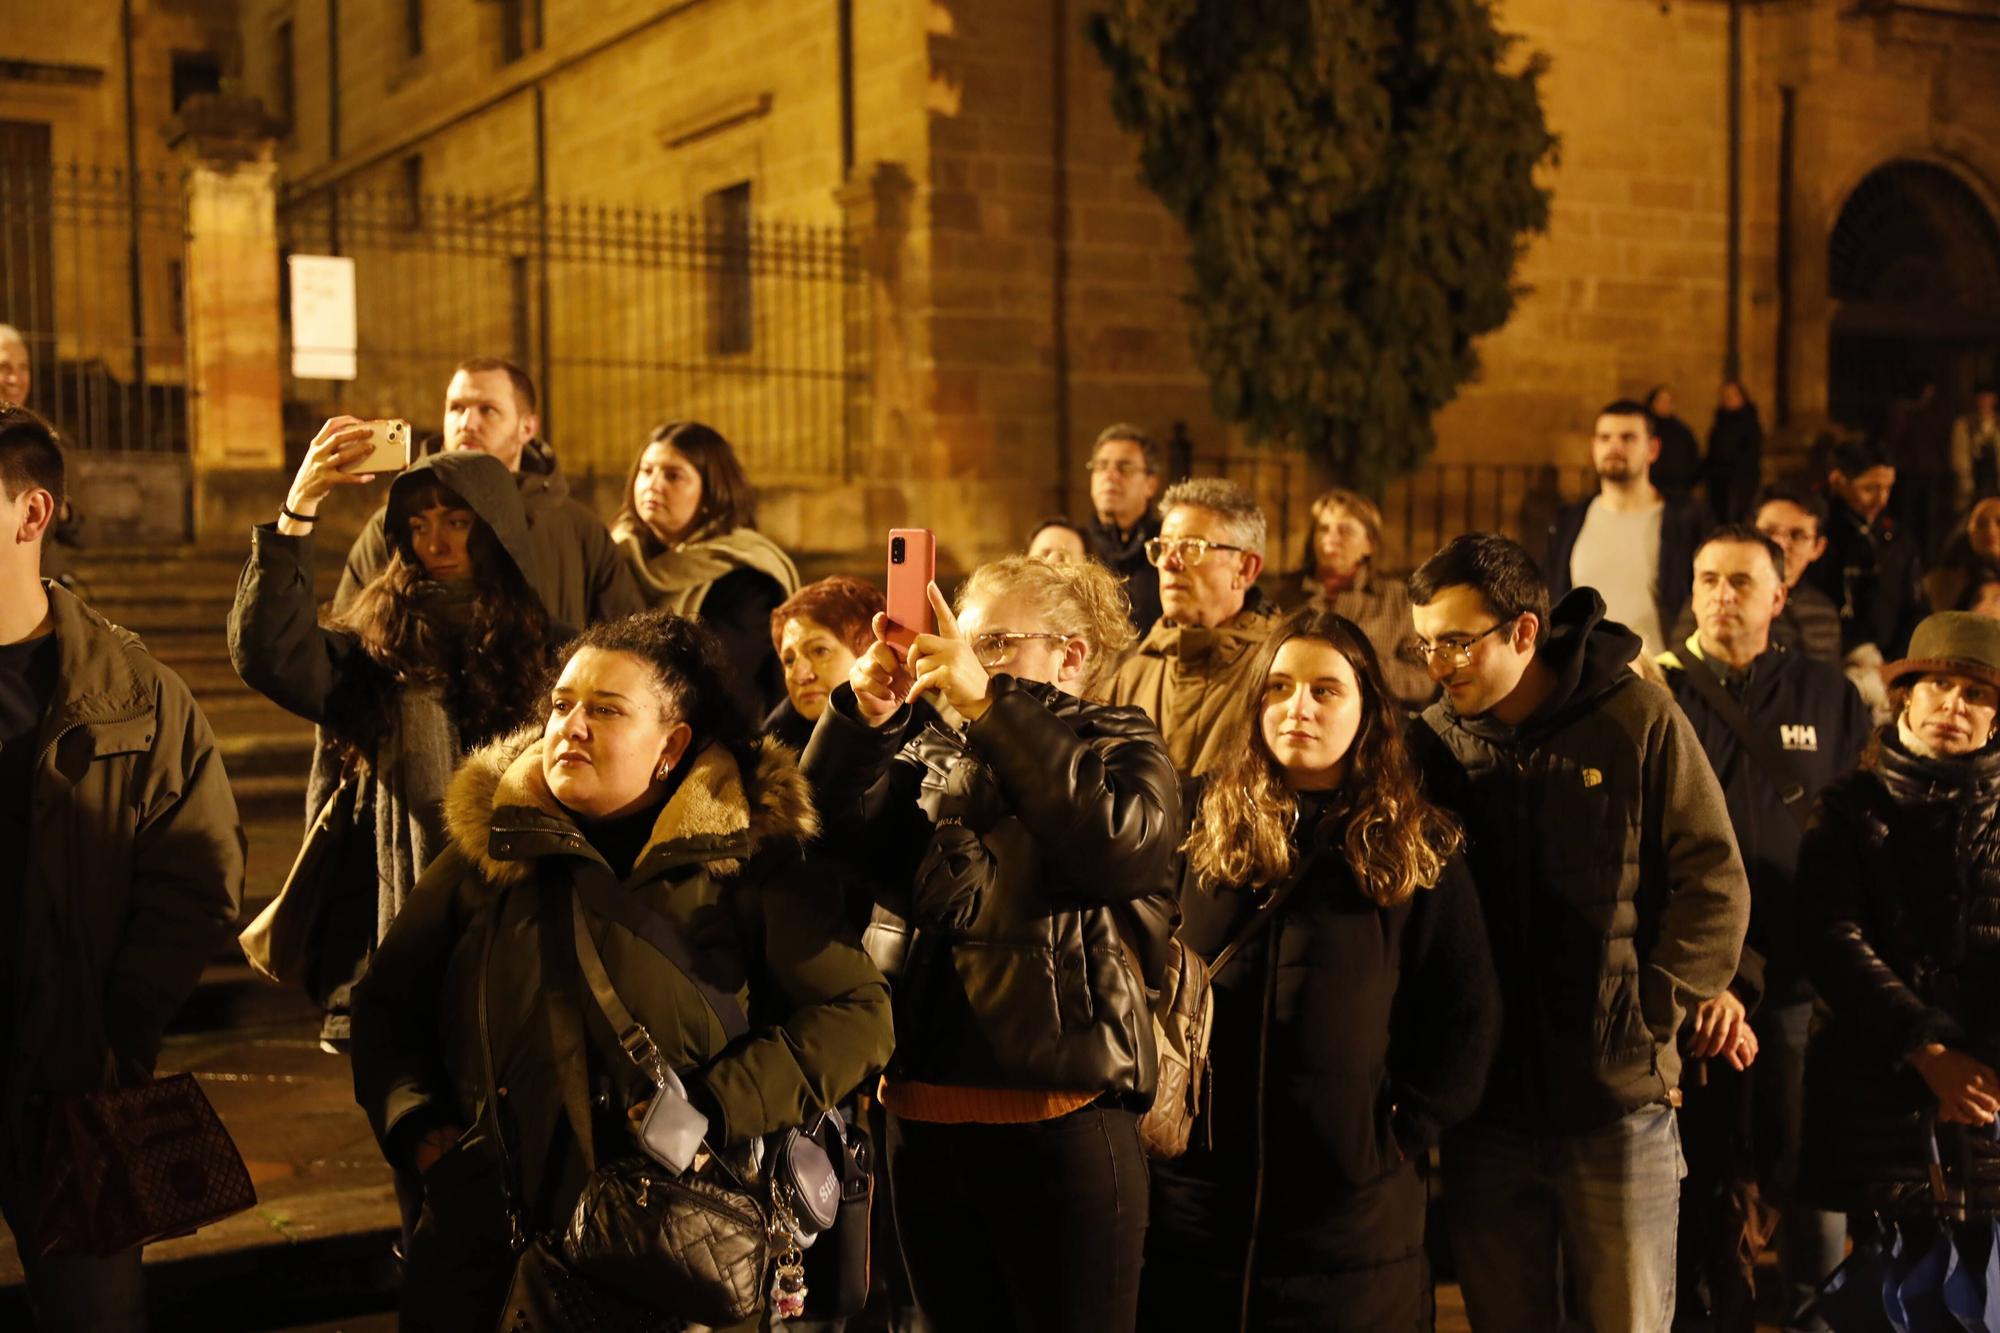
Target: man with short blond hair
{"type": "Point", "coordinates": [1192, 669]}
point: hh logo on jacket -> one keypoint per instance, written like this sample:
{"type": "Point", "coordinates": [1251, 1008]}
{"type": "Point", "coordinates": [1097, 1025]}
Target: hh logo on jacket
{"type": "Point", "coordinates": [1798, 736]}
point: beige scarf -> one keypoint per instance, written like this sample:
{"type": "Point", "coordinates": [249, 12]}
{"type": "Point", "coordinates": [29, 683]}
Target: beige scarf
{"type": "Point", "coordinates": [679, 577]}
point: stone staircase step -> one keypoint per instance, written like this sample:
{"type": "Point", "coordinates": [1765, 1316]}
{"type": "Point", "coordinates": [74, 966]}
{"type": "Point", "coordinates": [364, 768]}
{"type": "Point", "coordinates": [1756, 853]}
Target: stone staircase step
{"type": "Point", "coordinates": [256, 756]}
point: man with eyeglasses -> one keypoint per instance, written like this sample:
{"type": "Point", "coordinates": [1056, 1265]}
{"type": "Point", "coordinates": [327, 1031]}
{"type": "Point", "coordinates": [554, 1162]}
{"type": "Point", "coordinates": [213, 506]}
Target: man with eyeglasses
{"type": "Point", "coordinates": [1190, 672]}
{"type": "Point", "coordinates": [1124, 478]}
{"type": "Point", "coordinates": [1809, 624]}
{"type": "Point", "coordinates": [1616, 905]}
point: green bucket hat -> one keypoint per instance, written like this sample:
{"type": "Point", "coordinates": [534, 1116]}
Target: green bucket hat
{"type": "Point", "coordinates": [1956, 643]}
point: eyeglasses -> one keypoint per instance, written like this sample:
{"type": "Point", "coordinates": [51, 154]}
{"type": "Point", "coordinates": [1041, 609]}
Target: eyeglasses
{"type": "Point", "coordinates": [995, 648]}
{"type": "Point", "coordinates": [1120, 468]}
{"type": "Point", "coordinates": [1456, 653]}
{"type": "Point", "coordinates": [1190, 551]}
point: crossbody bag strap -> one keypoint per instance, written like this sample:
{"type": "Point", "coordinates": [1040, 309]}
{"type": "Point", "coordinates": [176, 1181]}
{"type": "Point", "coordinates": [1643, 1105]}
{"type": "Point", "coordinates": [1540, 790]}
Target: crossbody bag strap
{"type": "Point", "coordinates": [633, 1038]}
{"type": "Point", "coordinates": [613, 902]}
{"type": "Point", "coordinates": [1756, 741]}
{"type": "Point", "coordinates": [517, 1235]}
{"type": "Point", "coordinates": [1266, 912]}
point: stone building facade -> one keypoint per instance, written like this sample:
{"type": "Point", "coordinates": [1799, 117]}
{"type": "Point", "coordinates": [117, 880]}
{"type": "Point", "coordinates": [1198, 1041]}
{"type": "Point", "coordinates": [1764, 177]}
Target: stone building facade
{"type": "Point", "coordinates": [1022, 288]}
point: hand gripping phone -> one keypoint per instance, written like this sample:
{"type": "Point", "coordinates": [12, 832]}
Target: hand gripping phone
{"type": "Point", "coordinates": [912, 566]}
{"type": "Point", "coordinates": [389, 449]}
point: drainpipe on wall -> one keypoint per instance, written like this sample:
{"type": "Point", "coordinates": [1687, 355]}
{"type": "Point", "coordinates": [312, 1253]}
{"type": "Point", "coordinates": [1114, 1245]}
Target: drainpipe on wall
{"type": "Point", "coordinates": [844, 22]}
{"type": "Point", "coordinates": [1732, 338]}
{"type": "Point", "coordinates": [1059, 270]}
{"type": "Point", "coordinates": [135, 254]}
{"type": "Point", "coordinates": [1788, 112]}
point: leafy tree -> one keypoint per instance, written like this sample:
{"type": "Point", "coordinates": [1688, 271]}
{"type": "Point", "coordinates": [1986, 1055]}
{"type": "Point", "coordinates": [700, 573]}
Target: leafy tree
{"type": "Point", "coordinates": [1357, 180]}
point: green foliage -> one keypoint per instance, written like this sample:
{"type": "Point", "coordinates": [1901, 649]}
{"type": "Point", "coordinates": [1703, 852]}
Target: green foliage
{"type": "Point", "coordinates": [1356, 178]}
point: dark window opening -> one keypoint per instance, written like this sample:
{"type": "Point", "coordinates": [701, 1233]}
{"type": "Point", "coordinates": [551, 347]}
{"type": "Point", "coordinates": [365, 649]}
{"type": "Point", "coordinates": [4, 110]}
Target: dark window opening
{"type": "Point", "coordinates": [413, 191]}
{"type": "Point", "coordinates": [731, 317]}
{"type": "Point", "coordinates": [287, 91]}
{"type": "Point", "coordinates": [520, 28]}
{"type": "Point", "coordinates": [177, 297]}
{"type": "Point", "coordinates": [413, 27]}
{"type": "Point", "coordinates": [195, 72]}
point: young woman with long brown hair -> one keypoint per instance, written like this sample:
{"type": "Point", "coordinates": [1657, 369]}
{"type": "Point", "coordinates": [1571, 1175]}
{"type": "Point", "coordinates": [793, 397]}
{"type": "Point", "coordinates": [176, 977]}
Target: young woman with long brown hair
{"type": "Point", "coordinates": [1350, 1027]}
{"type": "Point", "coordinates": [688, 526]}
{"type": "Point", "coordinates": [440, 652]}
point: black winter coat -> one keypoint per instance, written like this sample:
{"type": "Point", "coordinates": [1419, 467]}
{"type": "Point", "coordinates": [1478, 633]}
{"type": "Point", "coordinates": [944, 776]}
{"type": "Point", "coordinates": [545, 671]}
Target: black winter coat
{"type": "Point", "coordinates": [1380, 1025]}
{"type": "Point", "coordinates": [1682, 527]}
{"type": "Point", "coordinates": [1734, 462]}
{"type": "Point", "coordinates": [1678, 467]}
{"type": "Point", "coordinates": [1900, 884]}
{"type": "Point", "coordinates": [1614, 895]}
{"type": "Point", "coordinates": [1020, 852]}
{"type": "Point", "coordinates": [1871, 573]}
{"type": "Point", "coordinates": [1816, 718]}
{"type": "Point", "coordinates": [1124, 554]}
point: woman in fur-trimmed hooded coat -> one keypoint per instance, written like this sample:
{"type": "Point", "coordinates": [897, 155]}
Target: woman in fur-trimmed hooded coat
{"type": "Point", "coordinates": [716, 851]}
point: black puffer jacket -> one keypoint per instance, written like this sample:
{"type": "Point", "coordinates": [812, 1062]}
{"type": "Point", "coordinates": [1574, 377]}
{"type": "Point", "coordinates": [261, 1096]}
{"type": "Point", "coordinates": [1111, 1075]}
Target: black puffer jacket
{"type": "Point", "coordinates": [1615, 898]}
{"type": "Point", "coordinates": [1900, 884]}
{"type": "Point", "coordinates": [1019, 851]}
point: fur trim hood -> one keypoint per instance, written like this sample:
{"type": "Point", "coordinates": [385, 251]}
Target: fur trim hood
{"type": "Point", "coordinates": [500, 802]}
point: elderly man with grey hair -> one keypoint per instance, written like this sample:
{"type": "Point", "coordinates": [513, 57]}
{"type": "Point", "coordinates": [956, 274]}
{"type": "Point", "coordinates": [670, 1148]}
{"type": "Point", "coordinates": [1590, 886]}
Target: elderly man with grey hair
{"type": "Point", "coordinates": [13, 366]}
{"type": "Point", "coordinates": [1192, 668]}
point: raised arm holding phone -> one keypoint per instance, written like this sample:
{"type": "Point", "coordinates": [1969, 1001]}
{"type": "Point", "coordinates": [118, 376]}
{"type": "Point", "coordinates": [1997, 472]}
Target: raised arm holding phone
{"type": "Point", "coordinates": [1023, 832]}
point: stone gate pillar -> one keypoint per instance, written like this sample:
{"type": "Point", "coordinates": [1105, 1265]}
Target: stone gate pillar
{"type": "Point", "coordinates": [236, 447]}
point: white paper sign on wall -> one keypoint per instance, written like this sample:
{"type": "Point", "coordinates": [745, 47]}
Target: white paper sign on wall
{"type": "Point", "coordinates": [322, 317]}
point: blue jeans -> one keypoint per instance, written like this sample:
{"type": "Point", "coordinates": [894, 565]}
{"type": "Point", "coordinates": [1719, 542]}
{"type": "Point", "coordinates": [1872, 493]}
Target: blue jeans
{"type": "Point", "coordinates": [1594, 1215]}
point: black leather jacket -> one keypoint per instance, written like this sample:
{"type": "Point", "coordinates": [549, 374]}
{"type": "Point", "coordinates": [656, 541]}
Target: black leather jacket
{"type": "Point", "coordinates": [1899, 877]}
{"type": "Point", "coordinates": [1020, 851]}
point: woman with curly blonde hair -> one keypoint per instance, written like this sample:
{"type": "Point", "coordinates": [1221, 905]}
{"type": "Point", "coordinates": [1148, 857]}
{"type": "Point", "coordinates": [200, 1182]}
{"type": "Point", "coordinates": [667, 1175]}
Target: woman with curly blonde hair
{"type": "Point", "coordinates": [1355, 1020]}
{"type": "Point", "coordinates": [1027, 836]}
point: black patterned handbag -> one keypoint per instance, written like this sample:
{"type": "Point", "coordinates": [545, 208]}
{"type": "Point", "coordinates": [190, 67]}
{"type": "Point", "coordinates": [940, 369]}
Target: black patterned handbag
{"type": "Point", "coordinates": [135, 1165]}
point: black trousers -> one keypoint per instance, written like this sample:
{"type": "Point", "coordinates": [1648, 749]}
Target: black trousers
{"type": "Point", "coordinates": [1034, 1228]}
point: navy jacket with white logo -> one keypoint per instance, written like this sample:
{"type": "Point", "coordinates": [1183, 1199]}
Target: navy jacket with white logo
{"type": "Point", "coordinates": [1821, 726]}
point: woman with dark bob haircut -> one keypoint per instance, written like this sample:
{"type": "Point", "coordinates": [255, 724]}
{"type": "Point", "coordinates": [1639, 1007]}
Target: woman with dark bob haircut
{"type": "Point", "coordinates": [1350, 1028]}
{"type": "Point", "coordinates": [642, 803]}
{"type": "Point", "coordinates": [688, 526]}
{"type": "Point", "coordinates": [818, 632]}
{"type": "Point", "coordinates": [439, 653]}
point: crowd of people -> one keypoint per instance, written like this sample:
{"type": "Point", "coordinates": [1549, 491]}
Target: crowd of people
{"type": "Point", "coordinates": [1547, 903]}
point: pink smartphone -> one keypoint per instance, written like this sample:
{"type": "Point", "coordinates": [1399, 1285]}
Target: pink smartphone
{"type": "Point", "coordinates": [912, 566]}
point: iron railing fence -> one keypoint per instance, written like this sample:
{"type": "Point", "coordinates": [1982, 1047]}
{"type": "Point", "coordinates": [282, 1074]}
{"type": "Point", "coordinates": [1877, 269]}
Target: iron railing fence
{"type": "Point", "coordinates": [1420, 512]}
{"type": "Point", "coordinates": [92, 267]}
{"type": "Point", "coordinates": [626, 317]}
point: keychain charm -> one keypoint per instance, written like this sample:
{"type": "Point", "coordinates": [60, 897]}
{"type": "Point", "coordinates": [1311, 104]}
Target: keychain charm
{"type": "Point", "coordinates": [788, 1270]}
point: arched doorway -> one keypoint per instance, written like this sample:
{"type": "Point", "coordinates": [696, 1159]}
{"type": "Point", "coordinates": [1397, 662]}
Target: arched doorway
{"type": "Point", "coordinates": [1913, 267]}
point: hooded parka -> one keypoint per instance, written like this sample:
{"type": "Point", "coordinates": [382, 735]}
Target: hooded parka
{"type": "Point", "coordinates": [1899, 877]}
{"type": "Point", "coordinates": [134, 870]}
{"type": "Point", "coordinates": [1190, 679]}
{"type": "Point", "coordinates": [585, 580]}
{"type": "Point", "coordinates": [395, 822]}
{"type": "Point", "coordinates": [723, 865]}
{"type": "Point", "coordinates": [1615, 897]}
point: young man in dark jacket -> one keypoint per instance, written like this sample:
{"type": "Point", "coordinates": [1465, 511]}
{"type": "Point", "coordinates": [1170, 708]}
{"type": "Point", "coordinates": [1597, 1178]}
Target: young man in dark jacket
{"type": "Point", "coordinates": [1870, 571]}
{"type": "Point", "coordinates": [121, 865]}
{"type": "Point", "coordinates": [1731, 677]}
{"type": "Point", "coordinates": [1616, 904]}
{"type": "Point", "coordinates": [1632, 541]}
{"type": "Point", "coordinates": [1124, 479]}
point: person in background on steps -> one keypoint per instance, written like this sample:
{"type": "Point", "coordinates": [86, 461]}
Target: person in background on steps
{"type": "Point", "coordinates": [1355, 1025]}
{"type": "Point", "coordinates": [1125, 476]}
{"type": "Point", "coordinates": [121, 866]}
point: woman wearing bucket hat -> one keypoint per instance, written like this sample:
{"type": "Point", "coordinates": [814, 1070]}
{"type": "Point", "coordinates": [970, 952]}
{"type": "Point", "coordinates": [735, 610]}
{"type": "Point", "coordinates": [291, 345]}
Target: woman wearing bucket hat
{"type": "Point", "coordinates": [1900, 876]}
